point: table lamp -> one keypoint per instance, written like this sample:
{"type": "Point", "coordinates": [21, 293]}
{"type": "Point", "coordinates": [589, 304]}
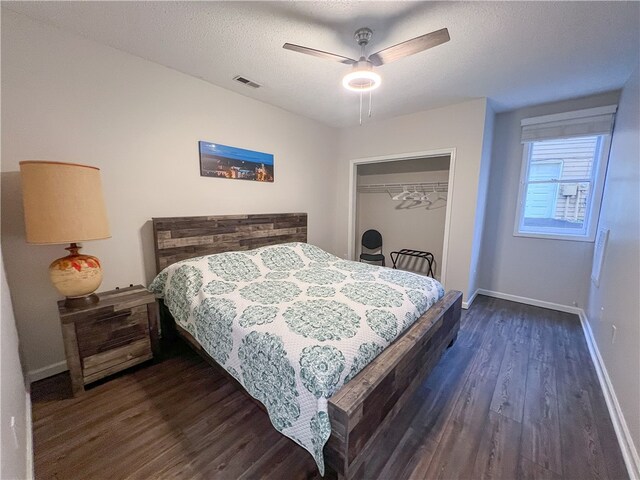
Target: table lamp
{"type": "Point", "coordinates": [63, 203]}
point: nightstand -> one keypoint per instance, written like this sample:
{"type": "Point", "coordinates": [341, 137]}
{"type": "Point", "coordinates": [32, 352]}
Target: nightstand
{"type": "Point", "coordinates": [119, 331]}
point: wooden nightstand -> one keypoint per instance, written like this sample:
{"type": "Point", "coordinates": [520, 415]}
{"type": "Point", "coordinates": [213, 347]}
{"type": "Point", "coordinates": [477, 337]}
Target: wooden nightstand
{"type": "Point", "coordinates": [119, 331]}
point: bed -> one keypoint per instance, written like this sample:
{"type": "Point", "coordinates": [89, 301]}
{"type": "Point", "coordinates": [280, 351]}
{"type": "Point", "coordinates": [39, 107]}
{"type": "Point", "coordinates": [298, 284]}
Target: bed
{"type": "Point", "coordinates": [356, 404]}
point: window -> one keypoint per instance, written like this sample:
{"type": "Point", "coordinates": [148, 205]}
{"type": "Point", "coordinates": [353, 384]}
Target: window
{"type": "Point", "coordinates": [564, 165]}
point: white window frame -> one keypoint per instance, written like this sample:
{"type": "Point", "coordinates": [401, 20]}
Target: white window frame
{"type": "Point", "coordinates": [598, 175]}
{"type": "Point", "coordinates": [545, 162]}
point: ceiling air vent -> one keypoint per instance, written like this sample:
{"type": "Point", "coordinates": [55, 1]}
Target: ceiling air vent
{"type": "Point", "coordinates": [246, 81]}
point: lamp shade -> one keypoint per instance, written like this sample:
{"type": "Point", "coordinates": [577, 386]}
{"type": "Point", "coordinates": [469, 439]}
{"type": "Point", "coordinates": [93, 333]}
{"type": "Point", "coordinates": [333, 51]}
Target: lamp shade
{"type": "Point", "coordinates": [63, 202]}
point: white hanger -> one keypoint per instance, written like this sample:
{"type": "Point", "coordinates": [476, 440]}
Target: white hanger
{"type": "Point", "coordinates": [418, 198]}
{"type": "Point", "coordinates": [415, 195]}
{"type": "Point", "coordinates": [402, 195]}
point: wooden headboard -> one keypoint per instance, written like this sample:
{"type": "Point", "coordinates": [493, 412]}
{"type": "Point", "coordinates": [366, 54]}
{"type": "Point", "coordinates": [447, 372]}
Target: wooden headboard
{"type": "Point", "coordinates": [181, 238]}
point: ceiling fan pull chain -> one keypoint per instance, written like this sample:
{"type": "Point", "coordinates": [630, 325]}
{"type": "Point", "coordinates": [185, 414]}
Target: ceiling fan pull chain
{"type": "Point", "coordinates": [360, 108]}
{"type": "Point", "coordinates": [370, 97]}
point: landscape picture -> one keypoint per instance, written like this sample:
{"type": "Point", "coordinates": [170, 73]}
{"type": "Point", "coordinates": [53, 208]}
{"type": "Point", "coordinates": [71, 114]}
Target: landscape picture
{"type": "Point", "coordinates": [222, 161]}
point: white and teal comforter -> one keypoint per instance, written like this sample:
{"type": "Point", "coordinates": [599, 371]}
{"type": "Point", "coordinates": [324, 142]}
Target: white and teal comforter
{"type": "Point", "coordinates": [293, 323]}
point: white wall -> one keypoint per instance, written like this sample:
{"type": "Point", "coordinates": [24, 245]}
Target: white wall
{"type": "Point", "coordinates": [418, 228]}
{"type": "Point", "coordinates": [617, 300]}
{"type": "Point", "coordinates": [15, 452]}
{"type": "Point", "coordinates": [481, 202]}
{"type": "Point", "coordinates": [541, 269]}
{"type": "Point", "coordinates": [459, 126]}
{"type": "Point", "coordinates": [65, 98]}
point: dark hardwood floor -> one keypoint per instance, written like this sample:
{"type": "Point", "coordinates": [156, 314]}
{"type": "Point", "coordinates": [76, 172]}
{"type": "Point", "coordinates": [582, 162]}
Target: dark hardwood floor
{"type": "Point", "coordinates": [516, 397]}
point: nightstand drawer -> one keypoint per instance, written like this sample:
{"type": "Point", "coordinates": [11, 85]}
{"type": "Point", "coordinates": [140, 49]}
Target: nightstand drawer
{"type": "Point", "coordinates": [105, 363]}
{"type": "Point", "coordinates": [106, 331]}
{"type": "Point", "coordinates": [103, 338]}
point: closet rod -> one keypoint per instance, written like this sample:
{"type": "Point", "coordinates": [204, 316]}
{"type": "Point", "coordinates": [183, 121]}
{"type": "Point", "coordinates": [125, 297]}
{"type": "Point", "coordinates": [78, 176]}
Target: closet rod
{"type": "Point", "coordinates": [427, 186]}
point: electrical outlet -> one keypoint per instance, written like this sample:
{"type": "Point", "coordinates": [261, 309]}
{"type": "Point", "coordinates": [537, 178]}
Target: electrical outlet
{"type": "Point", "coordinates": [614, 331]}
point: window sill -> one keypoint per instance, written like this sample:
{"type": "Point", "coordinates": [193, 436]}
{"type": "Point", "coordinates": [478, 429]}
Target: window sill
{"type": "Point", "coordinates": [555, 236]}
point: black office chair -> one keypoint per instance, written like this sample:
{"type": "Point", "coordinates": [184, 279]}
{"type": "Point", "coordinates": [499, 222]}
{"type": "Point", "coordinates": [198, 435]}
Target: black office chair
{"type": "Point", "coordinates": [372, 240]}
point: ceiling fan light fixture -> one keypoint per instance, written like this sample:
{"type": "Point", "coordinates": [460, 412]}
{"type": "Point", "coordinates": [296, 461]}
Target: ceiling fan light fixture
{"type": "Point", "coordinates": [362, 78]}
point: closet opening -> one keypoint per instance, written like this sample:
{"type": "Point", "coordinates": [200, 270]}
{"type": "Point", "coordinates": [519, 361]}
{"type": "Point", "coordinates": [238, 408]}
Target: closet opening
{"type": "Point", "coordinates": [406, 199]}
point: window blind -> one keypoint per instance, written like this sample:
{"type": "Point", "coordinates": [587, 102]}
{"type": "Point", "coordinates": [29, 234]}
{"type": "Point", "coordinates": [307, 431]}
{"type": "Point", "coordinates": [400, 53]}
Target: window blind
{"type": "Point", "coordinates": [580, 123]}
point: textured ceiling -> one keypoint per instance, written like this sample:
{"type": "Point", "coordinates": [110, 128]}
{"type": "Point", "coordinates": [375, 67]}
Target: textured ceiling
{"type": "Point", "coordinates": [515, 53]}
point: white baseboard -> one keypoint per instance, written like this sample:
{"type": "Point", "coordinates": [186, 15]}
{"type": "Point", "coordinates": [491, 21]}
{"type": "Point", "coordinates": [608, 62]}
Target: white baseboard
{"type": "Point", "coordinates": [48, 371]}
{"type": "Point", "coordinates": [530, 301]}
{"type": "Point", "coordinates": [29, 436]}
{"type": "Point", "coordinates": [629, 450]}
{"type": "Point", "coordinates": [468, 303]}
{"type": "Point", "coordinates": [627, 447]}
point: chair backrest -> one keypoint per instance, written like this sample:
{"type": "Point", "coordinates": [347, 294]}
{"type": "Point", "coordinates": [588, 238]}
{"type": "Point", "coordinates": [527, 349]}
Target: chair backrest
{"type": "Point", "coordinates": [371, 239]}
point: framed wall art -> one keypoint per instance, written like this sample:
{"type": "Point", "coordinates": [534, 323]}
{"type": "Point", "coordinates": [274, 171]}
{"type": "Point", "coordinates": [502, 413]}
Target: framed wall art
{"type": "Point", "coordinates": [222, 161]}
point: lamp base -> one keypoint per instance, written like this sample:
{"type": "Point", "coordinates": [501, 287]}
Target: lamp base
{"type": "Point", "coordinates": [76, 276]}
{"type": "Point", "coordinates": [79, 302]}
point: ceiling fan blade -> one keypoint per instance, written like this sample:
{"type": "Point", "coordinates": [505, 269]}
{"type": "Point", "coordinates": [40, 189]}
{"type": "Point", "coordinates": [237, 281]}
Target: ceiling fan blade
{"type": "Point", "coordinates": [319, 53]}
{"type": "Point", "coordinates": [410, 47]}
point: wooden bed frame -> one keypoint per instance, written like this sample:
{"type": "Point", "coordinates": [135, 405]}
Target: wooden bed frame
{"type": "Point", "coordinates": [363, 410]}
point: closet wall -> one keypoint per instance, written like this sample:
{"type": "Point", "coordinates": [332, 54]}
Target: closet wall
{"type": "Point", "coordinates": [401, 225]}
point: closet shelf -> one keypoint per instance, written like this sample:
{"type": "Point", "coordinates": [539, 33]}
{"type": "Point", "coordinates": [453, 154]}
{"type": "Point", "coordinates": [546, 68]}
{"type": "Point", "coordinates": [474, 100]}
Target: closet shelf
{"type": "Point", "coordinates": [440, 187]}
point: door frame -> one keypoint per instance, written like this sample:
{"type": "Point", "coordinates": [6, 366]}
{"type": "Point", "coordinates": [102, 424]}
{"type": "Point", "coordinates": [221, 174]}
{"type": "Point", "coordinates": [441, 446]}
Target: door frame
{"type": "Point", "coordinates": [353, 166]}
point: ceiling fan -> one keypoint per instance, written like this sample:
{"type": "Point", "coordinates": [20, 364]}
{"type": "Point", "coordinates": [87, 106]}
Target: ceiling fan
{"type": "Point", "coordinates": [362, 78]}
